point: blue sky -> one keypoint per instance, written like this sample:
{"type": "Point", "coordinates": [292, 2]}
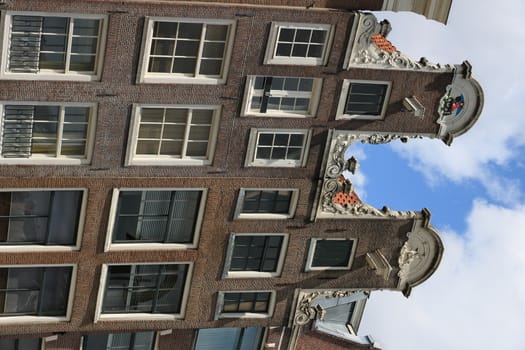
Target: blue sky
{"type": "Point", "coordinates": [474, 189]}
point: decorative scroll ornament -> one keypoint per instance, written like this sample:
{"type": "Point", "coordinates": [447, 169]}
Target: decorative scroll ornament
{"type": "Point", "coordinates": [307, 310]}
{"type": "Point", "coordinates": [370, 48]}
{"type": "Point", "coordinates": [335, 183]}
{"type": "Point", "coordinates": [419, 257]}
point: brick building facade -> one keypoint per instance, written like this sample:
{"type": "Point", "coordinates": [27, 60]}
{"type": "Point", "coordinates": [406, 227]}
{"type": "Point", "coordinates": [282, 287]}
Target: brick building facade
{"type": "Point", "coordinates": [168, 167]}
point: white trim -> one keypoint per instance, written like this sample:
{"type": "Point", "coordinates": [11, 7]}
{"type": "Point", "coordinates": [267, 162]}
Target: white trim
{"type": "Point", "coordinates": [254, 274]}
{"type": "Point", "coordinates": [291, 209]}
{"type": "Point", "coordinates": [143, 76]}
{"type": "Point", "coordinates": [344, 95]}
{"type": "Point", "coordinates": [133, 159]}
{"type": "Point", "coordinates": [220, 304]}
{"type": "Point", "coordinates": [50, 75]}
{"type": "Point", "coordinates": [99, 316]}
{"type": "Point", "coordinates": [311, 252]}
{"type": "Point", "coordinates": [43, 159]}
{"type": "Point", "coordinates": [251, 153]}
{"type": "Point", "coordinates": [50, 248]}
{"type": "Point", "coordinates": [45, 319]}
{"type": "Point", "coordinates": [271, 58]}
{"type": "Point", "coordinates": [313, 96]}
{"type": "Point", "coordinates": [109, 246]}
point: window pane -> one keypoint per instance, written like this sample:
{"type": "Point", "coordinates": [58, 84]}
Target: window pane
{"type": "Point", "coordinates": [332, 253]}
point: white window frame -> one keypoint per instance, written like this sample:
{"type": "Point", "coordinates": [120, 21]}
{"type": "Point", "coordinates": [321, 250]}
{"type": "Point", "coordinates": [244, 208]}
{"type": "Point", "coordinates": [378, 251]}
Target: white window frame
{"type": "Point", "coordinates": [41, 159]}
{"type": "Point", "coordinates": [101, 317]}
{"type": "Point", "coordinates": [252, 161]}
{"type": "Point", "coordinates": [45, 319]}
{"type": "Point", "coordinates": [157, 335]}
{"type": "Point", "coordinates": [133, 159]}
{"type": "Point", "coordinates": [42, 342]}
{"type": "Point", "coordinates": [51, 248]}
{"type": "Point", "coordinates": [109, 246]}
{"type": "Point", "coordinates": [311, 252]}
{"type": "Point", "coordinates": [144, 76]}
{"type": "Point", "coordinates": [340, 114]}
{"type": "Point", "coordinates": [50, 74]}
{"type": "Point", "coordinates": [271, 49]}
{"type": "Point", "coordinates": [291, 210]}
{"type": "Point", "coordinates": [249, 92]}
{"type": "Point", "coordinates": [254, 274]}
{"type": "Point", "coordinates": [220, 304]}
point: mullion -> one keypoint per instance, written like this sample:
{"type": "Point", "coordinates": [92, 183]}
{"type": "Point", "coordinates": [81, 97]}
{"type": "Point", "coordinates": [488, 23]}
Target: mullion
{"type": "Point", "coordinates": [267, 85]}
{"type": "Point", "coordinates": [41, 292]}
{"type": "Point", "coordinates": [49, 216]}
{"type": "Point", "coordinates": [157, 288]}
{"type": "Point", "coordinates": [169, 221]}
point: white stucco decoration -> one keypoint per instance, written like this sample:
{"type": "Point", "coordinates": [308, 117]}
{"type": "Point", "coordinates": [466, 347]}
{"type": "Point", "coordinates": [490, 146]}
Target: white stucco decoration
{"type": "Point", "coordinates": [461, 106]}
{"type": "Point", "coordinates": [419, 257]}
{"type": "Point", "coordinates": [363, 53]}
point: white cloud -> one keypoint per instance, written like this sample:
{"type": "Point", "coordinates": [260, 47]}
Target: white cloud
{"type": "Point", "coordinates": [475, 300]}
{"type": "Point", "coordinates": [488, 38]}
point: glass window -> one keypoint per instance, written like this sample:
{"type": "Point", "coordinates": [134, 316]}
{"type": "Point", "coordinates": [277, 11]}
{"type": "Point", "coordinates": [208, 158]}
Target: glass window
{"type": "Point", "coordinates": [298, 43]}
{"type": "Point", "coordinates": [174, 135]}
{"type": "Point", "coordinates": [21, 344]}
{"type": "Point", "coordinates": [35, 291]}
{"type": "Point", "coordinates": [54, 44]}
{"type": "Point", "coordinates": [188, 49]}
{"type": "Point", "coordinates": [249, 338]}
{"type": "Point", "coordinates": [277, 148]}
{"type": "Point", "coordinates": [330, 254]}
{"type": "Point", "coordinates": [266, 202]}
{"type": "Point", "coordinates": [45, 132]}
{"type": "Point", "coordinates": [157, 216]}
{"type": "Point", "coordinates": [144, 288]}
{"type": "Point", "coordinates": [39, 217]}
{"type": "Point", "coordinates": [119, 341]}
{"type": "Point", "coordinates": [256, 253]}
{"type": "Point", "coordinates": [285, 96]}
{"type": "Point", "coordinates": [246, 302]}
{"type": "Point", "coordinates": [363, 99]}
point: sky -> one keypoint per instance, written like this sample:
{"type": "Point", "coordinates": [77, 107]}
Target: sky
{"type": "Point", "coordinates": [475, 190]}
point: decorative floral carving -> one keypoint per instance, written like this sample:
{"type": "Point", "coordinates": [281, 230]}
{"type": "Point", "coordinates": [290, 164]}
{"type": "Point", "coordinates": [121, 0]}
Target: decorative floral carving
{"type": "Point", "coordinates": [364, 52]}
{"type": "Point", "coordinates": [406, 257]}
{"type": "Point", "coordinates": [335, 167]}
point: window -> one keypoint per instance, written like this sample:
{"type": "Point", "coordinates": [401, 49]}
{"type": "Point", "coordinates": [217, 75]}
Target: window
{"type": "Point", "coordinates": [331, 254]}
{"type": "Point", "coordinates": [249, 338]}
{"type": "Point", "coordinates": [249, 304]}
{"type": "Point", "coordinates": [281, 96]}
{"type": "Point", "coordinates": [47, 133]}
{"type": "Point", "coordinates": [35, 292]}
{"type": "Point", "coordinates": [21, 344]}
{"type": "Point", "coordinates": [119, 341]}
{"type": "Point", "coordinates": [255, 255]}
{"type": "Point", "coordinates": [363, 99]}
{"type": "Point", "coordinates": [298, 44]}
{"type": "Point", "coordinates": [266, 203]}
{"type": "Point", "coordinates": [45, 218]}
{"type": "Point", "coordinates": [174, 135]}
{"type": "Point", "coordinates": [286, 148]}
{"type": "Point", "coordinates": [53, 46]}
{"type": "Point", "coordinates": [171, 218]}
{"type": "Point", "coordinates": [186, 50]}
{"type": "Point", "coordinates": [153, 291]}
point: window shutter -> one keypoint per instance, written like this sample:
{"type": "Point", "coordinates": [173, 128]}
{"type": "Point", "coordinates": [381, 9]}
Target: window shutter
{"type": "Point", "coordinates": [25, 44]}
{"type": "Point", "coordinates": [17, 131]}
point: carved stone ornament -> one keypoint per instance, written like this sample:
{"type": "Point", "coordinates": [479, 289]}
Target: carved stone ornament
{"type": "Point", "coordinates": [334, 181]}
{"type": "Point", "coordinates": [307, 309]}
{"type": "Point", "coordinates": [364, 53]}
{"type": "Point", "coordinates": [461, 106]}
{"type": "Point", "coordinates": [419, 257]}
